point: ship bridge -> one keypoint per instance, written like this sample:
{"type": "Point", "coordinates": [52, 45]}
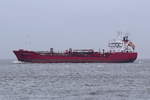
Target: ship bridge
{"type": "Point", "coordinates": [122, 44]}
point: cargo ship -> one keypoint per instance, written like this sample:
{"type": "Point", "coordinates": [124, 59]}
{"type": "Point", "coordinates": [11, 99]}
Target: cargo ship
{"type": "Point", "coordinates": [121, 50]}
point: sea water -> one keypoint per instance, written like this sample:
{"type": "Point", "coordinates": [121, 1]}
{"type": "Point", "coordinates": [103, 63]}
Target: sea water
{"type": "Point", "coordinates": [75, 81]}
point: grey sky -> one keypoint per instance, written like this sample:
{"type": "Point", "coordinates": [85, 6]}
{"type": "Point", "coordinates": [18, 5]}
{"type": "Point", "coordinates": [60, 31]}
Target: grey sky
{"type": "Point", "coordinates": [41, 24]}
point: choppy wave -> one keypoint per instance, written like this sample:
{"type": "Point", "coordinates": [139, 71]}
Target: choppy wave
{"type": "Point", "coordinates": [127, 81]}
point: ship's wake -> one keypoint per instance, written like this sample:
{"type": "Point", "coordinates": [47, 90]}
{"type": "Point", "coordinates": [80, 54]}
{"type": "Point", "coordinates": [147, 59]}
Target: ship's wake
{"type": "Point", "coordinates": [17, 62]}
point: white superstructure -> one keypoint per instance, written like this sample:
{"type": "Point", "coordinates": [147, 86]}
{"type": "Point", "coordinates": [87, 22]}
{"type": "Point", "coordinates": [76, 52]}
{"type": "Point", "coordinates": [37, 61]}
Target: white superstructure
{"type": "Point", "coordinates": [121, 44]}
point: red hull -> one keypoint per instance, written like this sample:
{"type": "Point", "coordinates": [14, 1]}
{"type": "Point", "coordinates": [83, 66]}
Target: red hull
{"type": "Point", "coordinates": [115, 57]}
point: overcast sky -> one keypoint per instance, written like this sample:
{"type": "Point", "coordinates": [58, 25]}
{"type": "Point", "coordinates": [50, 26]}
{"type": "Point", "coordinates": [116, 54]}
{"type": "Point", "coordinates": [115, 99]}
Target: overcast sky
{"type": "Point", "coordinates": [61, 24]}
